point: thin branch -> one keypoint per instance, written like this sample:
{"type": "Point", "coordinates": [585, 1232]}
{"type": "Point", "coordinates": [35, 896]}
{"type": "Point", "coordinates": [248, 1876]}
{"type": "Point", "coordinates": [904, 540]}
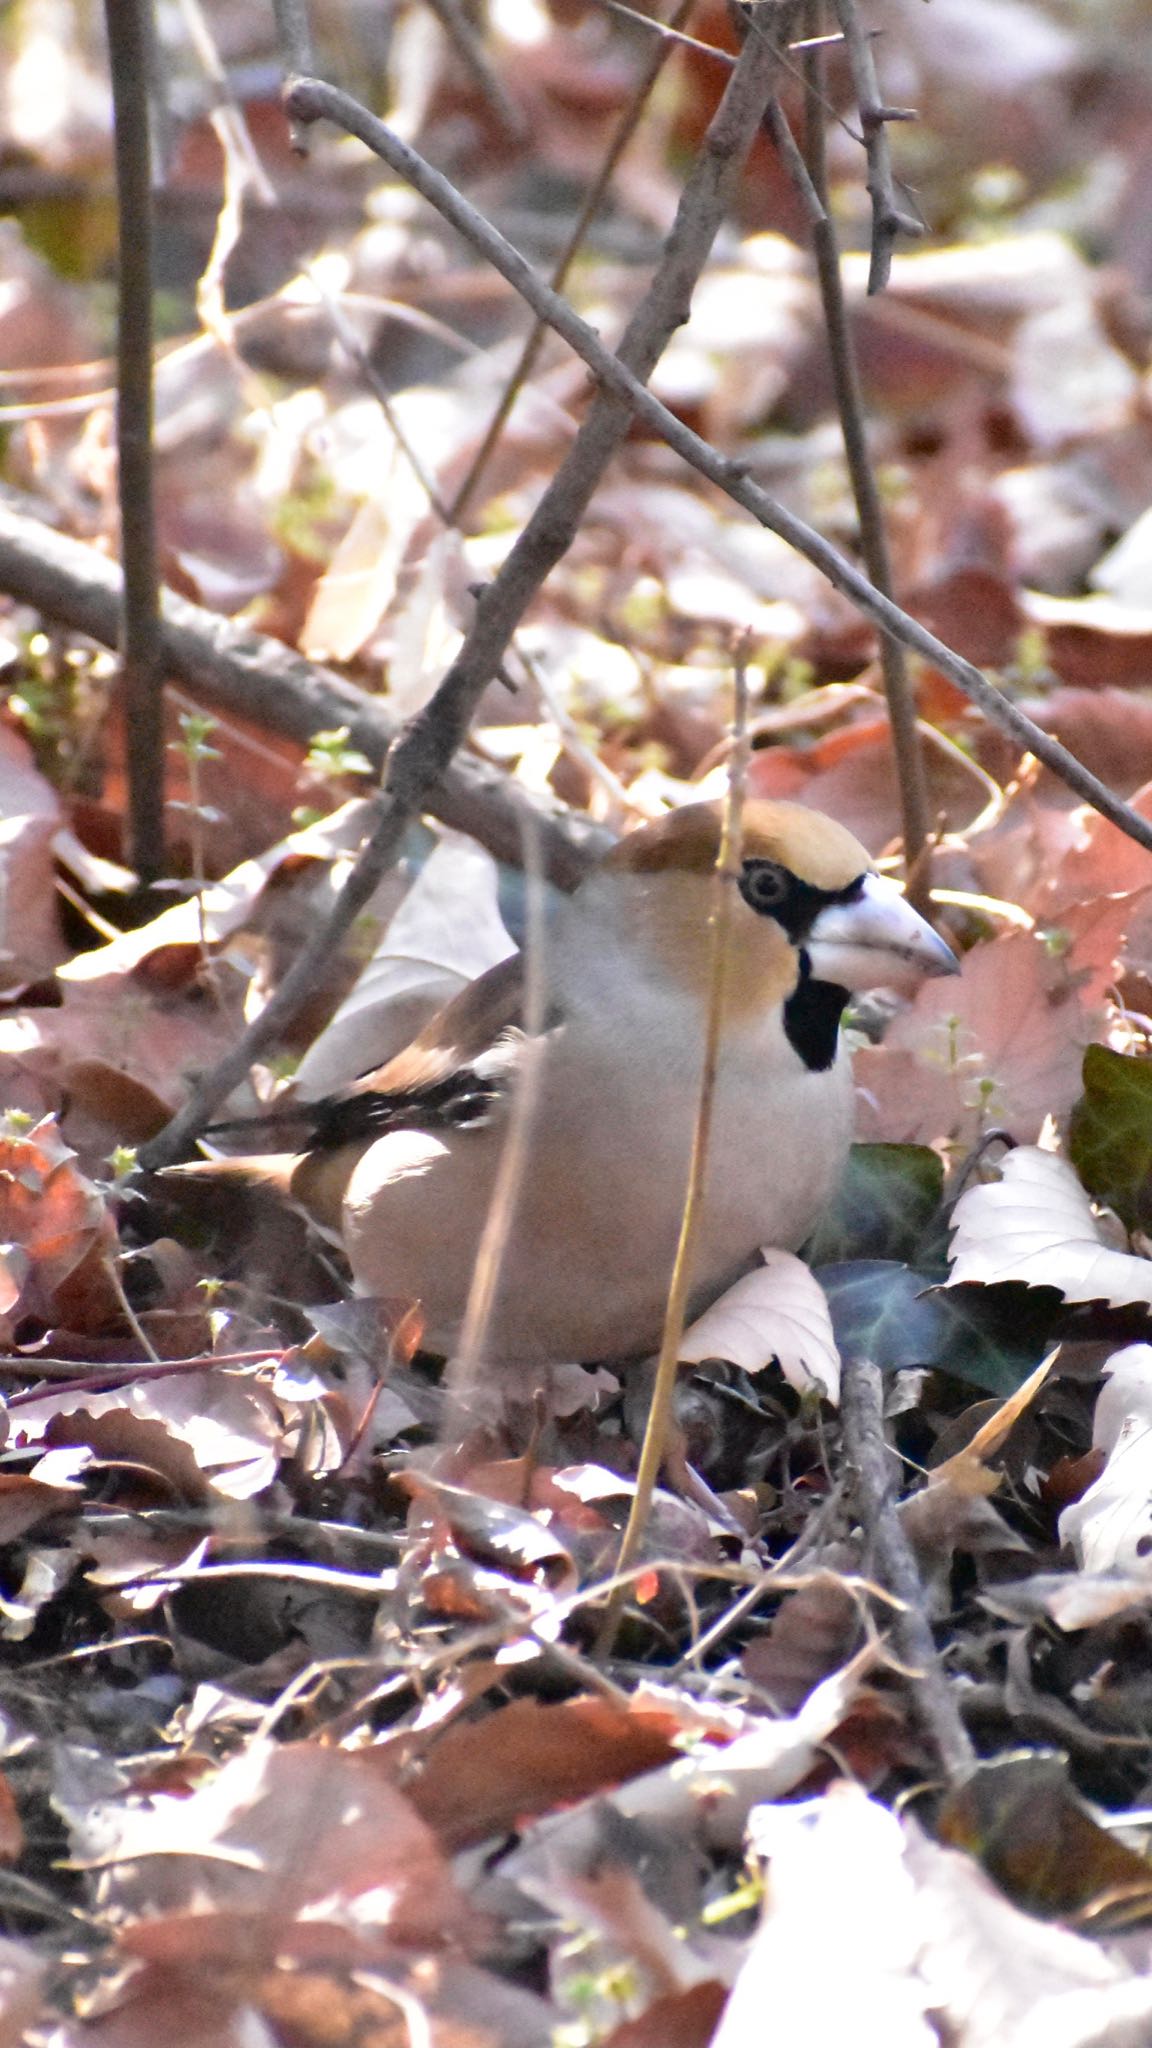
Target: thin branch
{"type": "Point", "coordinates": [625, 129]}
{"type": "Point", "coordinates": [244, 674]}
{"type": "Point", "coordinates": [295, 35]}
{"type": "Point", "coordinates": [469, 48]}
{"type": "Point", "coordinates": [889, 218]}
{"type": "Point", "coordinates": [703, 206]}
{"type": "Point", "coordinates": [652, 1452]}
{"type": "Point", "coordinates": [809, 175]}
{"type": "Point", "coordinates": [667, 32]}
{"type": "Point", "coordinates": [316, 101]}
{"type": "Point", "coordinates": [142, 670]}
{"type": "Point", "coordinates": [872, 1462]}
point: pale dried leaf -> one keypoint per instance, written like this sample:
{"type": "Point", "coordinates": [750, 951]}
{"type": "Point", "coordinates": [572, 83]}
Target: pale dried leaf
{"type": "Point", "coordinates": [204, 1430]}
{"type": "Point", "coordinates": [777, 1312]}
{"type": "Point", "coordinates": [1036, 1225]}
{"type": "Point", "coordinates": [966, 1471]}
{"type": "Point", "coordinates": [225, 906]}
{"type": "Point", "coordinates": [1110, 1526]}
{"type": "Point", "coordinates": [1071, 1599]}
{"type": "Point", "coordinates": [292, 1831]}
{"type": "Point", "coordinates": [704, 1800]}
{"type": "Point", "coordinates": [425, 635]}
{"type": "Point", "coordinates": [1001, 1978]}
{"type": "Point", "coordinates": [836, 1885]}
{"type": "Point", "coordinates": [359, 583]}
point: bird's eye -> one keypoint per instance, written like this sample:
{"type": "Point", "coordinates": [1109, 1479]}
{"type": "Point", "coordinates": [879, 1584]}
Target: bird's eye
{"type": "Point", "coordinates": [764, 885]}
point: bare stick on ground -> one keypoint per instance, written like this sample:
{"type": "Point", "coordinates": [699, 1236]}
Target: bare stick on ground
{"type": "Point", "coordinates": [873, 1465]}
{"type": "Point", "coordinates": [142, 673]}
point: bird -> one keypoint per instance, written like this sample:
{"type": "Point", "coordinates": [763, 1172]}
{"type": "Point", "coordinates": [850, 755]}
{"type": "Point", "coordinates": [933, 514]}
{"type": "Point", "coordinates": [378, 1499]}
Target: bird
{"type": "Point", "coordinates": [400, 1166]}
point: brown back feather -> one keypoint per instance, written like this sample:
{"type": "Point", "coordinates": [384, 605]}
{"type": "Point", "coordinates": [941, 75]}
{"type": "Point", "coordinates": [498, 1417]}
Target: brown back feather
{"type": "Point", "coordinates": [455, 1036]}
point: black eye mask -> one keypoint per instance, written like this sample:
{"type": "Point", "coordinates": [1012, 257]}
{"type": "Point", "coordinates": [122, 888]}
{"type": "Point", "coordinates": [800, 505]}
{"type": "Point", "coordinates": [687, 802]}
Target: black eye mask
{"type": "Point", "coordinates": [772, 890]}
{"type": "Point", "coordinates": [813, 1011]}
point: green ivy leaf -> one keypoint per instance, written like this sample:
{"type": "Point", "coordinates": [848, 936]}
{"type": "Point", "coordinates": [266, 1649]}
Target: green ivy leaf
{"type": "Point", "coordinates": [1110, 1137]}
{"type": "Point", "coordinates": [989, 1337]}
{"type": "Point", "coordinates": [887, 1201]}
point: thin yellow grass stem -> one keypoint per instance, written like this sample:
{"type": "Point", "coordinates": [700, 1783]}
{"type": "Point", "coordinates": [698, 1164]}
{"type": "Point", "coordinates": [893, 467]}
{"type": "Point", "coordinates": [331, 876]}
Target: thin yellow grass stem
{"type": "Point", "coordinates": [467, 1366]}
{"type": "Point", "coordinates": [652, 1452]}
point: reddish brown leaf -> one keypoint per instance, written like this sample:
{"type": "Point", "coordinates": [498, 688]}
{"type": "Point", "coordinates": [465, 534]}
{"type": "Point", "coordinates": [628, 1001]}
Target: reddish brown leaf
{"type": "Point", "coordinates": [25, 1501]}
{"type": "Point", "coordinates": [483, 1777]}
{"type": "Point", "coordinates": [683, 2019]}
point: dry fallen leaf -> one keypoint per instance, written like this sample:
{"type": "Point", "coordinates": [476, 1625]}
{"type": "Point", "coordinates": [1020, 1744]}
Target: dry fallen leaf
{"type": "Point", "coordinates": [207, 1432]}
{"type": "Point", "coordinates": [1110, 1526]}
{"type": "Point", "coordinates": [836, 1882]}
{"type": "Point", "coordinates": [780, 1312]}
{"type": "Point", "coordinates": [1036, 1224]}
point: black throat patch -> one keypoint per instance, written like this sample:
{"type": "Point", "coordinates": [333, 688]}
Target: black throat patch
{"type": "Point", "coordinates": [812, 1016]}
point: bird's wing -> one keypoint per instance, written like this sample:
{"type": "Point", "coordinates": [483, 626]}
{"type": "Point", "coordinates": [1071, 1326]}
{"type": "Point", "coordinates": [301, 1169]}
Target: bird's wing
{"type": "Point", "coordinates": [450, 1075]}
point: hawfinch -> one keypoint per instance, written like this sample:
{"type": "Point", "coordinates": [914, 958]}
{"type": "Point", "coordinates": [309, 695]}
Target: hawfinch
{"type": "Point", "coordinates": [401, 1166]}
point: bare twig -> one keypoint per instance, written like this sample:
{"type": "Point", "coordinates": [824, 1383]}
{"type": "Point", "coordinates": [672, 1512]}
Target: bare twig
{"type": "Point", "coordinates": [129, 54]}
{"type": "Point", "coordinates": [703, 204]}
{"type": "Point", "coordinates": [295, 34]}
{"type": "Point", "coordinates": [468, 46]}
{"type": "Point", "coordinates": [320, 102]}
{"type": "Point", "coordinates": [667, 32]}
{"type": "Point", "coordinates": [625, 129]}
{"type": "Point", "coordinates": [889, 218]}
{"type": "Point", "coordinates": [243, 673]}
{"type": "Point", "coordinates": [809, 176]}
{"type": "Point", "coordinates": [725, 878]}
{"type": "Point", "coordinates": [871, 1460]}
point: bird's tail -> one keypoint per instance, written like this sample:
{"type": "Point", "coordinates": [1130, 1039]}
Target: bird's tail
{"type": "Point", "coordinates": [257, 1169]}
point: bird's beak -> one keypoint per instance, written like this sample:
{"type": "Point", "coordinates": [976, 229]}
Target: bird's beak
{"type": "Point", "coordinates": [876, 941]}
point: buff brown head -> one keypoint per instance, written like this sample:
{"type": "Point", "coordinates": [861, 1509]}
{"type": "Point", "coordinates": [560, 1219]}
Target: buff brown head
{"type": "Point", "coordinates": [812, 905]}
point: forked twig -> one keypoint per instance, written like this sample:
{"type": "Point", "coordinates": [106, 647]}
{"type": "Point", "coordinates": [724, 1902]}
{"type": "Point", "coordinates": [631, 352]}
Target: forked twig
{"type": "Point", "coordinates": [889, 218]}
